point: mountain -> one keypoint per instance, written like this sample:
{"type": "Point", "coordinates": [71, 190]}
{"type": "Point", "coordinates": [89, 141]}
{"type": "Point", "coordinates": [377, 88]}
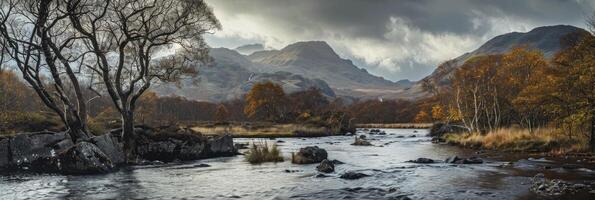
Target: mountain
{"type": "Point", "coordinates": [230, 77]}
{"type": "Point", "coordinates": [249, 48]}
{"type": "Point", "coordinates": [546, 38]}
{"type": "Point", "coordinates": [316, 59]}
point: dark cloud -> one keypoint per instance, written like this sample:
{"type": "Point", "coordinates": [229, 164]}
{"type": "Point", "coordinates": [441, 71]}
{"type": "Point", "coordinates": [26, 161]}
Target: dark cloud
{"type": "Point", "coordinates": [410, 27]}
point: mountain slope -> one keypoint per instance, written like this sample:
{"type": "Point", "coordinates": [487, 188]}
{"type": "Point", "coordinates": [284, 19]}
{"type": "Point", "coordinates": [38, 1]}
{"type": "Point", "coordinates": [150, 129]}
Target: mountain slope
{"type": "Point", "coordinates": [316, 59]}
{"type": "Point", "coordinates": [231, 77]}
{"type": "Point", "coordinates": [249, 48]}
{"type": "Point", "coordinates": [546, 38]}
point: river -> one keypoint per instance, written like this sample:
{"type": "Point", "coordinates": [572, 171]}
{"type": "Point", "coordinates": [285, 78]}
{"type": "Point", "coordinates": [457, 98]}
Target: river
{"type": "Point", "coordinates": [234, 178]}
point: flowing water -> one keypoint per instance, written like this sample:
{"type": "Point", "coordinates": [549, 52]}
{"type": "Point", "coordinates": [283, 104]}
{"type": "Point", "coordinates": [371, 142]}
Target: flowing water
{"type": "Point", "coordinates": [234, 178]}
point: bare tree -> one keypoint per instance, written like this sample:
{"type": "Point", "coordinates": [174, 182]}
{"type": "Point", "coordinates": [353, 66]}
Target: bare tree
{"type": "Point", "coordinates": [127, 40]}
{"type": "Point", "coordinates": [35, 36]}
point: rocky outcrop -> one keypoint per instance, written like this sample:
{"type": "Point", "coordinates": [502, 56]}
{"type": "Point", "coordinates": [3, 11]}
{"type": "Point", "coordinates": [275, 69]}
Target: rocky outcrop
{"type": "Point", "coordinates": [110, 145]}
{"type": "Point", "coordinates": [439, 129]}
{"type": "Point", "coordinates": [4, 152]}
{"type": "Point", "coordinates": [457, 160]}
{"type": "Point", "coordinates": [326, 166]}
{"type": "Point", "coordinates": [182, 144]}
{"type": "Point", "coordinates": [27, 149]}
{"type": "Point", "coordinates": [309, 155]}
{"type": "Point", "coordinates": [361, 142]}
{"type": "Point", "coordinates": [422, 161]}
{"type": "Point", "coordinates": [353, 175]}
{"type": "Point", "coordinates": [83, 158]}
{"type": "Point", "coordinates": [49, 151]}
{"type": "Point", "coordinates": [555, 187]}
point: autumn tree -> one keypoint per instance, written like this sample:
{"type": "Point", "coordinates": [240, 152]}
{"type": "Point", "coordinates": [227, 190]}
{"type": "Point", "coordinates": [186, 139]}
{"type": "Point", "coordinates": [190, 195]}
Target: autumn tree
{"type": "Point", "coordinates": [123, 39]}
{"type": "Point", "coordinates": [266, 101]}
{"type": "Point", "coordinates": [310, 101]}
{"type": "Point", "coordinates": [37, 37]}
{"type": "Point", "coordinates": [567, 88]}
{"type": "Point", "coordinates": [222, 114]}
{"type": "Point", "coordinates": [422, 117]}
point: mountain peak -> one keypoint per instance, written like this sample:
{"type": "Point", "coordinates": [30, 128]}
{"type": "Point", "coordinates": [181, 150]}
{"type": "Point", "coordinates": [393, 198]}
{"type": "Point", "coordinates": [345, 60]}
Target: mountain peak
{"type": "Point", "coordinates": [311, 50]}
{"type": "Point", "coordinates": [249, 48]}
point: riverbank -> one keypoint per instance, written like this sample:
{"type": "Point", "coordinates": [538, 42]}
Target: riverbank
{"type": "Point", "coordinates": [551, 141]}
{"type": "Point", "coordinates": [264, 130]}
{"type": "Point", "coordinates": [396, 125]}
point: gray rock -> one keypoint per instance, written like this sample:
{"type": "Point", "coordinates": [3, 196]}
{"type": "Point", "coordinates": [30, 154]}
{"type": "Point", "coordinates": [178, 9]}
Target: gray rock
{"type": "Point", "coordinates": [452, 159]}
{"type": "Point", "coordinates": [471, 160]}
{"type": "Point", "coordinates": [353, 175]}
{"type": "Point", "coordinates": [26, 148]}
{"type": "Point", "coordinates": [326, 166]}
{"type": "Point", "coordinates": [422, 160]}
{"type": "Point", "coordinates": [222, 145]}
{"type": "Point", "coordinates": [361, 142]}
{"type": "Point", "coordinates": [309, 155]}
{"type": "Point", "coordinates": [4, 152]}
{"type": "Point", "coordinates": [111, 147]}
{"type": "Point", "coordinates": [83, 158]}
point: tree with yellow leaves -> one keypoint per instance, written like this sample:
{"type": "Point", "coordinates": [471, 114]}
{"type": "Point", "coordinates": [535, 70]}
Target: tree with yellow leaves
{"type": "Point", "coordinates": [265, 101]}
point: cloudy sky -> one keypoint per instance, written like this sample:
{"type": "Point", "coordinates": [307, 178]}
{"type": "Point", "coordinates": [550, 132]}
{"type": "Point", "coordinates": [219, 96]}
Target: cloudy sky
{"type": "Point", "coordinates": [396, 39]}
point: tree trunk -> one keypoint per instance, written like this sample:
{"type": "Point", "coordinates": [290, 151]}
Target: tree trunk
{"type": "Point", "coordinates": [77, 129]}
{"type": "Point", "coordinates": [129, 136]}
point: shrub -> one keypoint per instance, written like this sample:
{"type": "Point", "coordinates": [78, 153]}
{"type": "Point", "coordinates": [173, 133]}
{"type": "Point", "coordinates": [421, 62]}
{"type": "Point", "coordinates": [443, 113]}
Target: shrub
{"type": "Point", "coordinates": [261, 152]}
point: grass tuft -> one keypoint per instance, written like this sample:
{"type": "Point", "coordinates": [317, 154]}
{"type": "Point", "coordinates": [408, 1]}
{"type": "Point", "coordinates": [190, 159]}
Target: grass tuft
{"type": "Point", "coordinates": [521, 140]}
{"type": "Point", "coordinates": [261, 153]}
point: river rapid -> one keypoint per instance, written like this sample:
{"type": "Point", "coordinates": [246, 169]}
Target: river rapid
{"type": "Point", "coordinates": [391, 177]}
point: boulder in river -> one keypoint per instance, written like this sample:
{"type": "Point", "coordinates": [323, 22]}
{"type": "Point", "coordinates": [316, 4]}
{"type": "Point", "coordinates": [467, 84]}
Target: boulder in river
{"type": "Point", "coordinates": [458, 160]}
{"type": "Point", "coordinates": [439, 129]}
{"type": "Point", "coordinates": [422, 161]}
{"type": "Point", "coordinates": [326, 166]}
{"type": "Point", "coordinates": [361, 142]}
{"type": "Point", "coordinates": [109, 144]}
{"type": "Point", "coordinates": [29, 150]}
{"type": "Point", "coordinates": [309, 155]}
{"type": "Point", "coordinates": [353, 175]}
{"type": "Point", "coordinates": [83, 158]}
{"type": "Point", "coordinates": [337, 162]}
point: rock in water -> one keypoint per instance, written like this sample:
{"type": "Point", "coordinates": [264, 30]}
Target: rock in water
{"type": "Point", "coordinates": [222, 146]}
{"type": "Point", "coordinates": [111, 147]}
{"type": "Point", "coordinates": [83, 158]}
{"type": "Point", "coordinates": [4, 152]}
{"type": "Point", "coordinates": [422, 160]}
{"type": "Point", "coordinates": [361, 142]}
{"type": "Point", "coordinates": [309, 155]}
{"type": "Point", "coordinates": [471, 160]}
{"type": "Point", "coordinates": [27, 148]}
{"type": "Point", "coordinates": [326, 166]}
{"type": "Point", "coordinates": [452, 159]}
{"type": "Point", "coordinates": [353, 175]}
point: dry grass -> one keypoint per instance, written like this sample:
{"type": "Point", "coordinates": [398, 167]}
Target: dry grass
{"type": "Point", "coordinates": [262, 152]}
{"type": "Point", "coordinates": [514, 139]}
{"type": "Point", "coordinates": [267, 131]}
{"type": "Point", "coordinates": [396, 125]}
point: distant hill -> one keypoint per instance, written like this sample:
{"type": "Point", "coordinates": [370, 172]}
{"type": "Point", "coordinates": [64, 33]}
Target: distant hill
{"type": "Point", "coordinates": [546, 38]}
{"type": "Point", "coordinates": [302, 65]}
{"type": "Point", "coordinates": [249, 48]}
{"type": "Point", "coordinates": [230, 77]}
{"type": "Point", "coordinates": [316, 59]}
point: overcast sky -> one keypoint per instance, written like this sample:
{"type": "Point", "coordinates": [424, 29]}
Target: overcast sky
{"type": "Point", "coordinates": [395, 39]}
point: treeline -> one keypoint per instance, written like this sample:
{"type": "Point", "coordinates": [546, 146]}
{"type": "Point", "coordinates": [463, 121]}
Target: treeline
{"type": "Point", "coordinates": [265, 102]}
{"type": "Point", "coordinates": [522, 88]}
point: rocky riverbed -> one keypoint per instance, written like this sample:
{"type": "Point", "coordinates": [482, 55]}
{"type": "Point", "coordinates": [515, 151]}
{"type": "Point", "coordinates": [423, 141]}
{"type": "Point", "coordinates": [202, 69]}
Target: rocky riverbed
{"type": "Point", "coordinates": [379, 171]}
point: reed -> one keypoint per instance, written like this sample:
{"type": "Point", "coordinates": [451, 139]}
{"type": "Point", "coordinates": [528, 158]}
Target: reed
{"type": "Point", "coordinates": [521, 140]}
{"type": "Point", "coordinates": [261, 152]}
